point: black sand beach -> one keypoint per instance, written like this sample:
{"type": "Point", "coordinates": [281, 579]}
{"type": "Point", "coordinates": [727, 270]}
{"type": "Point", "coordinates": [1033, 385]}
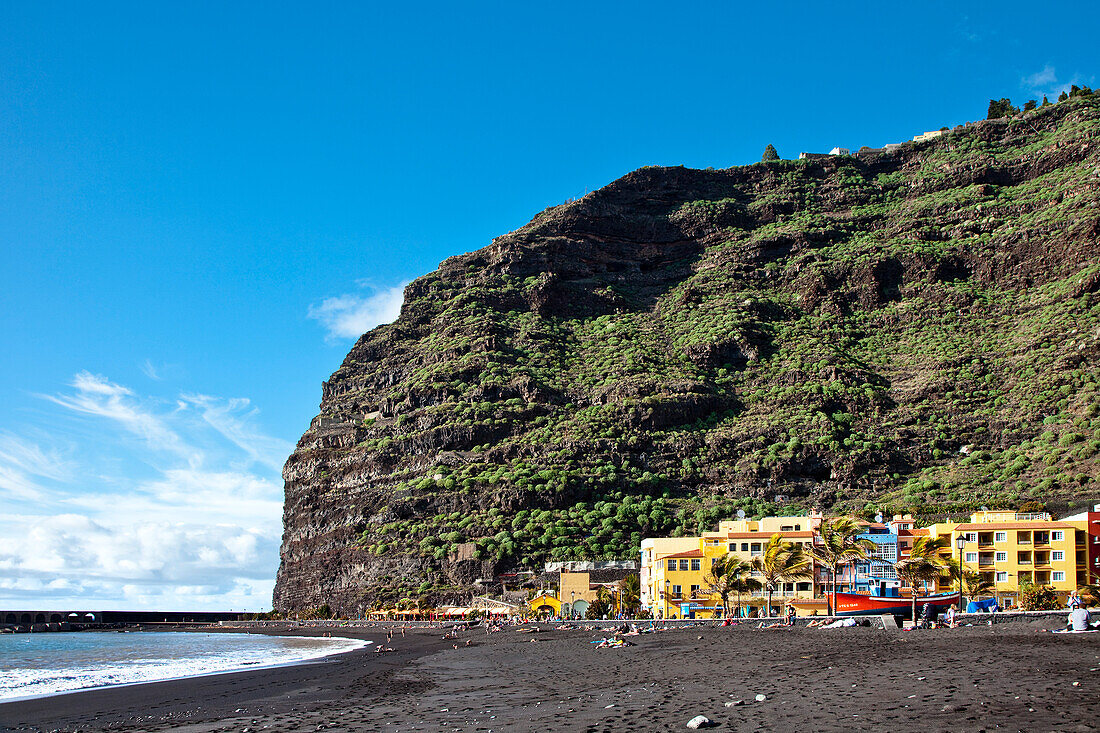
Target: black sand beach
{"type": "Point", "coordinates": [1011, 676]}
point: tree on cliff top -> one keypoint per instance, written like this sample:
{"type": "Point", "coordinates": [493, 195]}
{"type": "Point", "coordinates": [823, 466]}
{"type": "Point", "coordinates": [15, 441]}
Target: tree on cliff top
{"type": "Point", "coordinates": [770, 153]}
{"type": "Point", "coordinates": [1000, 108]}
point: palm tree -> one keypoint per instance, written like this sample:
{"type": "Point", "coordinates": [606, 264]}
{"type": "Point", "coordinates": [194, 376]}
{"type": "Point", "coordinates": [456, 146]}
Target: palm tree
{"type": "Point", "coordinates": [728, 575]}
{"type": "Point", "coordinates": [977, 584]}
{"type": "Point", "coordinates": [780, 561]}
{"type": "Point", "coordinates": [744, 583]}
{"type": "Point", "coordinates": [630, 593]}
{"type": "Point", "coordinates": [925, 563]}
{"type": "Point", "coordinates": [840, 546]}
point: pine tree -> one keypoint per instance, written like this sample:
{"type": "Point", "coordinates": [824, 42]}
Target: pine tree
{"type": "Point", "coordinates": [1029, 105]}
{"type": "Point", "coordinates": [1046, 102]}
{"type": "Point", "coordinates": [1063, 97]}
{"type": "Point", "coordinates": [770, 153]}
{"type": "Point", "coordinates": [1000, 108]}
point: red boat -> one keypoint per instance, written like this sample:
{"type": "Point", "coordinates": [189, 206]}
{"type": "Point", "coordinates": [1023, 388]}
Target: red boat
{"type": "Point", "coordinates": [862, 604]}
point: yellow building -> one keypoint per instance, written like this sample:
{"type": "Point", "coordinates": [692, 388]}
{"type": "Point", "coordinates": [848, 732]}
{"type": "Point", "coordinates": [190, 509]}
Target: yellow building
{"type": "Point", "coordinates": [545, 604]}
{"type": "Point", "coordinates": [674, 569]}
{"type": "Point", "coordinates": [655, 552]}
{"type": "Point", "coordinates": [1010, 548]}
{"type": "Point", "coordinates": [578, 588]}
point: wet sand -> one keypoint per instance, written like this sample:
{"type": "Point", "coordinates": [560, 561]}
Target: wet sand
{"type": "Point", "coordinates": [1011, 677]}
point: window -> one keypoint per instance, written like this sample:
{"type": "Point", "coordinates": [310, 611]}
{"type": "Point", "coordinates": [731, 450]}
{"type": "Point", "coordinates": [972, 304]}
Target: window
{"type": "Point", "coordinates": [787, 528]}
{"type": "Point", "coordinates": [744, 547]}
{"type": "Point", "coordinates": [971, 557]}
{"type": "Point", "coordinates": [798, 528]}
{"type": "Point", "coordinates": [683, 564]}
{"type": "Point", "coordinates": [733, 547]}
{"type": "Point", "coordinates": [677, 590]}
{"type": "Point", "coordinates": [1057, 556]}
{"type": "Point", "coordinates": [671, 564]}
{"type": "Point", "coordinates": [1001, 557]}
{"type": "Point", "coordinates": [696, 565]}
{"type": "Point", "coordinates": [712, 561]}
{"type": "Point", "coordinates": [694, 589]}
{"type": "Point", "coordinates": [755, 548]}
{"type": "Point", "coordinates": [1023, 538]}
{"type": "Point", "coordinates": [971, 536]}
{"type": "Point", "coordinates": [1057, 576]}
{"type": "Point", "coordinates": [1057, 535]}
{"type": "Point", "coordinates": [1002, 576]}
{"type": "Point", "coordinates": [1000, 537]}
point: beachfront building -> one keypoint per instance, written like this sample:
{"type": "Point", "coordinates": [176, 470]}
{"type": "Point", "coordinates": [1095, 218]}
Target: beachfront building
{"type": "Point", "coordinates": [654, 574]}
{"type": "Point", "coordinates": [579, 582]}
{"type": "Point", "coordinates": [1011, 549]}
{"type": "Point", "coordinates": [545, 604]}
{"type": "Point", "coordinates": [746, 538]}
{"type": "Point", "coordinates": [674, 569]}
{"type": "Point", "coordinates": [1087, 524]}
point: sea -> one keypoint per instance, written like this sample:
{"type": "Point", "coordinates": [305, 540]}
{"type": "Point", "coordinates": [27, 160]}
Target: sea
{"type": "Point", "coordinates": [33, 665]}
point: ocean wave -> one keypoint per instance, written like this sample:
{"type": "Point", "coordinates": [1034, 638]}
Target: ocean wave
{"type": "Point", "coordinates": [16, 683]}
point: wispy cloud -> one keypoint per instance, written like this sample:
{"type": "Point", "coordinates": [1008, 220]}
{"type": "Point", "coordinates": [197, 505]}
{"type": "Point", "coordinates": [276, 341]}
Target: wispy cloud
{"type": "Point", "coordinates": [24, 465]}
{"type": "Point", "coordinates": [188, 516]}
{"type": "Point", "coordinates": [233, 419]}
{"type": "Point", "coordinates": [1041, 79]}
{"type": "Point", "coordinates": [98, 397]}
{"type": "Point", "coordinates": [350, 316]}
{"type": "Point", "coordinates": [151, 371]}
{"type": "Point", "coordinates": [1046, 82]}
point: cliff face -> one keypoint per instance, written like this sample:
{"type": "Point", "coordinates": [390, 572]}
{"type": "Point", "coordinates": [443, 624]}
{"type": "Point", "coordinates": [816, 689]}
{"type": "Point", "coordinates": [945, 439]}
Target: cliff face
{"type": "Point", "coordinates": [914, 330]}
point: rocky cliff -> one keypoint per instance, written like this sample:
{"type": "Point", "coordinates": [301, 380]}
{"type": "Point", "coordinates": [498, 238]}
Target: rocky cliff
{"type": "Point", "coordinates": [909, 330]}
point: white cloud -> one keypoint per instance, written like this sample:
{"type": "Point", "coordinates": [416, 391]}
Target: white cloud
{"type": "Point", "coordinates": [98, 397]}
{"type": "Point", "coordinates": [1041, 79]}
{"type": "Point", "coordinates": [233, 418]}
{"type": "Point", "coordinates": [1046, 83]}
{"type": "Point", "coordinates": [188, 517]}
{"type": "Point", "coordinates": [24, 465]}
{"type": "Point", "coordinates": [350, 316]}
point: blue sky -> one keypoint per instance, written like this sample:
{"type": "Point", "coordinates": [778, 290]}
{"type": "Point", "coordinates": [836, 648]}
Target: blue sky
{"type": "Point", "coordinates": [202, 206]}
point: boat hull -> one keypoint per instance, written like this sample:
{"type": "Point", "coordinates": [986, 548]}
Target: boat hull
{"type": "Point", "coordinates": [859, 604]}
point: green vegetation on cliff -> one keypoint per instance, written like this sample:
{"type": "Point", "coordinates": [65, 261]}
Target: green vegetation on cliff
{"type": "Point", "coordinates": [914, 330]}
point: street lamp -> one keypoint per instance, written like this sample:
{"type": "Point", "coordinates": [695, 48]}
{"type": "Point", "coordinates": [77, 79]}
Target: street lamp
{"type": "Point", "coordinates": [572, 604]}
{"type": "Point", "coordinates": [668, 583]}
{"type": "Point", "coordinates": [960, 542]}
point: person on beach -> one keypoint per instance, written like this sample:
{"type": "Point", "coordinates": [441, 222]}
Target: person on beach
{"type": "Point", "coordinates": [1078, 619]}
{"type": "Point", "coordinates": [951, 622]}
{"type": "Point", "coordinates": [1074, 599]}
{"type": "Point", "coordinates": [790, 614]}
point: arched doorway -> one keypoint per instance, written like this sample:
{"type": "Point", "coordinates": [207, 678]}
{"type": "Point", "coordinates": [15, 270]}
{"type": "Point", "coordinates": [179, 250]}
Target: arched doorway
{"type": "Point", "coordinates": [10, 619]}
{"type": "Point", "coordinates": [55, 618]}
{"type": "Point", "coordinates": [25, 618]}
{"type": "Point", "coordinates": [579, 607]}
{"type": "Point", "coordinates": [40, 618]}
